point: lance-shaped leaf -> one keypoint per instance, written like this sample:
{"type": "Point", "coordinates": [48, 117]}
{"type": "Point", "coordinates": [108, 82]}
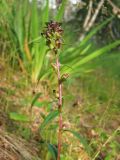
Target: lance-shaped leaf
{"type": "Point", "coordinates": [49, 118]}
{"type": "Point", "coordinates": [19, 117]}
{"type": "Point", "coordinates": [35, 98]}
{"type": "Point", "coordinates": [53, 150]}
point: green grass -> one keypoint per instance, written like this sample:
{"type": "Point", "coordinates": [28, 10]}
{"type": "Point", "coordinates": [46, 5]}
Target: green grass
{"type": "Point", "coordinates": [109, 62]}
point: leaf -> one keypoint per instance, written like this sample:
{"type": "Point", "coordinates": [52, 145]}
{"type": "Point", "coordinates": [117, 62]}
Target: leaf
{"type": "Point", "coordinates": [49, 118]}
{"type": "Point", "coordinates": [38, 104]}
{"type": "Point", "coordinates": [86, 49]}
{"type": "Point", "coordinates": [35, 99]}
{"type": "Point", "coordinates": [61, 11]}
{"type": "Point", "coordinates": [19, 26]}
{"type": "Point", "coordinates": [97, 53]}
{"type": "Point", "coordinates": [45, 13]}
{"type": "Point", "coordinates": [108, 157]}
{"type": "Point", "coordinates": [81, 139]}
{"type": "Point", "coordinates": [19, 117]}
{"type": "Point", "coordinates": [76, 63]}
{"type": "Point", "coordinates": [81, 47]}
{"type": "Point", "coordinates": [53, 150]}
{"type": "Point", "coordinates": [46, 104]}
{"type": "Point", "coordinates": [34, 20]}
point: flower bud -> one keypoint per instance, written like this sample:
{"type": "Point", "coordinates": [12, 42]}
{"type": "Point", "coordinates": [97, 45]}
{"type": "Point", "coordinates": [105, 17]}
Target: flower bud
{"type": "Point", "coordinates": [53, 34]}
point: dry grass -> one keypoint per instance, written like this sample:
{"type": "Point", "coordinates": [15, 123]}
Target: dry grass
{"type": "Point", "coordinates": [14, 148]}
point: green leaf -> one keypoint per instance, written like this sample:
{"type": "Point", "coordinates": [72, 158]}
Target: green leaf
{"type": "Point", "coordinates": [108, 157]}
{"type": "Point", "coordinates": [34, 20]}
{"type": "Point", "coordinates": [77, 63]}
{"type": "Point", "coordinates": [61, 11]}
{"type": "Point", "coordinates": [86, 49]}
{"type": "Point", "coordinates": [49, 118]}
{"type": "Point", "coordinates": [81, 139]}
{"type": "Point", "coordinates": [53, 150]}
{"type": "Point", "coordinates": [39, 104]}
{"type": "Point", "coordinates": [96, 53]}
{"type": "Point", "coordinates": [81, 47]}
{"type": "Point", "coordinates": [19, 117]}
{"type": "Point", "coordinates": [35, 99]}
{"type": "Point", "coordinates": [45, 104]}
{"type": "Point", "coordinates": [45, 13]}
{"type": "Point", "coordinates": [19, 26]}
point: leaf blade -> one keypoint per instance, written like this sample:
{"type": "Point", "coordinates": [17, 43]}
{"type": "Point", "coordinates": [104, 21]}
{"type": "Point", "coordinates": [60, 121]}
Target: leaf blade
{"type": "Point", "coordinates": [19, 117]}
{"type": "Point", "coordinates": [35, 99]}
{"type": "Point", "coordinates": [49, 118]}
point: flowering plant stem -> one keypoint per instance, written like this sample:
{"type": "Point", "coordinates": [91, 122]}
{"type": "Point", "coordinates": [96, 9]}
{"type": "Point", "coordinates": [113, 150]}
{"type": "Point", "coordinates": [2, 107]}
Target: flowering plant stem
{"type": "Point", "coordinates": [53, 34]}
{"type": "Point", "coordinates": [59, 108]}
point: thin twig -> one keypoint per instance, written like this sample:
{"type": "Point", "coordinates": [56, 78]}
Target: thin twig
{"type": "Point", "coordinates": [116, 9]}
{"type": "Point", "coordinates": [89, 14]}
{"type": "Point", "coordinates": [91, 22]}
{"type": "Point", "coordinates": [113, 5]}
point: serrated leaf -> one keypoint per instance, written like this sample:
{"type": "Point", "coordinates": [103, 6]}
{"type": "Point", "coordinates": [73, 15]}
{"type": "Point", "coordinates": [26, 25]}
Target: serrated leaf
{"type": "Point", "coordinates": [49, 118]}
{"type": "Point", "coordinates": [19, 117]}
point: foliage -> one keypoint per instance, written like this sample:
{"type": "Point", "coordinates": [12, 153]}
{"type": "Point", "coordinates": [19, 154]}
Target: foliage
{"type": "Point", "coordinates": [19, 117]}
{"type": "Point", "coordinates": [49, 118]}
{"type": "Point", "coordinates": [25, 22]}
{"type": "Point", "coordinates": [35, 99]}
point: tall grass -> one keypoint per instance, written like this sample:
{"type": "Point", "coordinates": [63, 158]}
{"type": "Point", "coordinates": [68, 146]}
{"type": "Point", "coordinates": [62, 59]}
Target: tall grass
{"type": "Point", "coordinates": [25, 22]}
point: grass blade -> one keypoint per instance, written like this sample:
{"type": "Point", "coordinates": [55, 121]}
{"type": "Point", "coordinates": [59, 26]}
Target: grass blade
{"type": "Point", "coordinates": [96, 53]}
{"type": "Point", "coordinates": [61, 9]}
{"type": "Point", "coordinates": [45, 13]}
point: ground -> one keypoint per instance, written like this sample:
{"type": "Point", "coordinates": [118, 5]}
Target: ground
{"type": "Point", "coordinates": [91, 111]}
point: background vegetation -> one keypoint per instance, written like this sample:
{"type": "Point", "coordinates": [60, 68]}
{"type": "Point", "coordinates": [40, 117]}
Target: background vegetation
{"type": "Point", "coordinates": [28, 88]}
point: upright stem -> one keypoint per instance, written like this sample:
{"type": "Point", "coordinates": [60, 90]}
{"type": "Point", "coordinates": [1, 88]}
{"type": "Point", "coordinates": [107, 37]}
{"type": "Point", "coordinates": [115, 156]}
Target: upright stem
{"type": "Point", "coordinates": [59, 108]}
